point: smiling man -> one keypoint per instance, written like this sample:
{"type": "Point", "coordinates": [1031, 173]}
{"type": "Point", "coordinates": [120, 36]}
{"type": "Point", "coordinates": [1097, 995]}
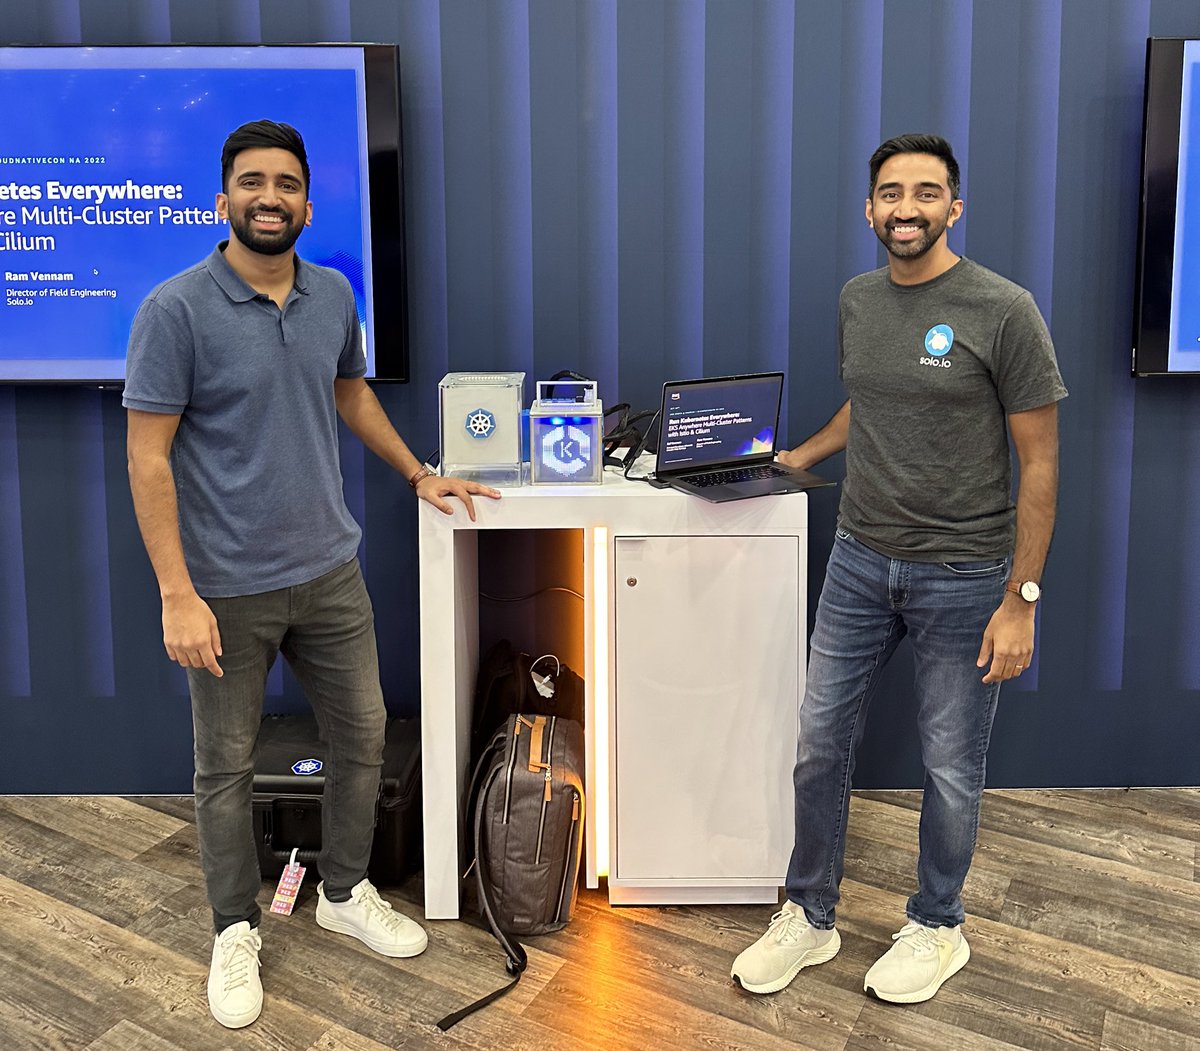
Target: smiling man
{"type": "Point", "coordinates": [944, 362]}
{"type": "Point", "coordinates": [238, 370]}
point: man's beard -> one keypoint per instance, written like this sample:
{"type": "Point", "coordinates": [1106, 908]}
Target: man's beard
{"type": "Point", "coordinates": [917, 247]}
{"type": "Point", "coordinates": [261, 242]}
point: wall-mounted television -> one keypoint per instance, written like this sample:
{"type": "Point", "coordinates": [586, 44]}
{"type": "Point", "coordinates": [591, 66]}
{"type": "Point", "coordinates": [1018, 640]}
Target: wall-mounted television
{"type": "Point", "coordinates": [1166, 336]}
{"type": "Point", "coordinates": [110, 167]}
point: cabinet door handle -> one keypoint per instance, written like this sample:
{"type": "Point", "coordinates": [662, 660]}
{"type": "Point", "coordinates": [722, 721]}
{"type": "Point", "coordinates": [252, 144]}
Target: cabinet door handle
{"type": "Point", "coordinates": [631, 581]}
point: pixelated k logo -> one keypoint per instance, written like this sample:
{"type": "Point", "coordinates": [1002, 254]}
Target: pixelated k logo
{"type": "Point", "coordinates": [305, 767]}
{"type": "Point", "coordinates": [567, 450]}
{"type": "Point", "coordinates": [480, 423]}
{"type": "Point", "coordinates": [939, 340]}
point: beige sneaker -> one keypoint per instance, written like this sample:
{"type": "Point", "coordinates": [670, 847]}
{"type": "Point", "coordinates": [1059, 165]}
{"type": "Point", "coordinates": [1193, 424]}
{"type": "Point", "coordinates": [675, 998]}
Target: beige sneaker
{"type": "Point", "coordinates": [790, 945]}
{"type": "Point", "coordinates": [370, 919]}
{"type": "Point", "coordinates": [915, 967]}
{"type": "Point", "coordinates": [235, 994]}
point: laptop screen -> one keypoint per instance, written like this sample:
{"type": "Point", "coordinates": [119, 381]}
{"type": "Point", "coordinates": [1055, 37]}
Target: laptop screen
{"type": "Point", "coordinates": [708, 423]}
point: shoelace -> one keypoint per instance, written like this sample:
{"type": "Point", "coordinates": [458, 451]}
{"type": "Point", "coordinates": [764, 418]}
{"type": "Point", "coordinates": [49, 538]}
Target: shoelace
{"type": "Point", "coordinates": [919, 938]}
{"type": "Point", "coordinates": [787, 927]}
{"type": "Point", "coordinates": [236, 959]}
{"type": "Point", "coordinates": [381, 909]}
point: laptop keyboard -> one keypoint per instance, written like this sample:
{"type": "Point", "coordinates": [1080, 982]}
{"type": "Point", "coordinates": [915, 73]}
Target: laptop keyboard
{"type": "Point", "coordinates": [739, 474]}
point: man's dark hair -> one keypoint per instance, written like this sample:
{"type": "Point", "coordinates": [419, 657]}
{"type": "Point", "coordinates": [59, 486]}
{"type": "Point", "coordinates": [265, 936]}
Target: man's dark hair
{"type": "Point", "coordinates": [262, 135]}
{"type": "Point", "coordinates": [934, 145]}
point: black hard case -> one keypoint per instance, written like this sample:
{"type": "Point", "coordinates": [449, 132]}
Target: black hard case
{"type": "Point", "coordinates": [287, 805]}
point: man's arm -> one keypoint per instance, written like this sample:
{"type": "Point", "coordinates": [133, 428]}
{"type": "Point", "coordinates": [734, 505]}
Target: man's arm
{"type": "Point", "coordinates": [828, 440]}
{"type": "Point", "coordinates": [362, 413]}
{"type": "Point", "coordinates": [190, 634]}
{"type": "Point", "coordinates": [1008, 638]}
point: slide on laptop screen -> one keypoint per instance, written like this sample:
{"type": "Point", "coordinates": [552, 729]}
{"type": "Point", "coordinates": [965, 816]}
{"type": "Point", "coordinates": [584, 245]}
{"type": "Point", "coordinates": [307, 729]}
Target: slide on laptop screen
{"type": "Point", "coordinates": [717, 439]}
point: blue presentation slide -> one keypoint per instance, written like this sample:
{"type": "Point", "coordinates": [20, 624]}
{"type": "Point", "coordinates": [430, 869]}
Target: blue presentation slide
{"type": "Point", "coordinates": [109, 175]}
{"type": "Point", "coordinates": [1184, 351]}
{"type": "Point", "coordinates": [718, 420]}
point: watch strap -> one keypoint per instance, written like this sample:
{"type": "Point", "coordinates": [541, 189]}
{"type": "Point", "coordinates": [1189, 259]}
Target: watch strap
{"type": "Point", "coordinates": [424, 472]}
{"type": "Point", "coordinates": [1015, 586]}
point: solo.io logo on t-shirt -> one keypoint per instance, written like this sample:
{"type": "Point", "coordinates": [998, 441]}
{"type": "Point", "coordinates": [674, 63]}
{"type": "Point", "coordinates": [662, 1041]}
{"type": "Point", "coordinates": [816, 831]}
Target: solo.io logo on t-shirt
{"type": "Point", "coordinates": [938, 341]}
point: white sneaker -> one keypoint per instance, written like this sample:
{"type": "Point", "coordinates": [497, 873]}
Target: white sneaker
{"type": "Point", "coordinates": [913, 969]}
{"type": "Point", "coordinates": [370, 919]}
{"type": "Point", "coordinates": [235, 994]}
{"type": "Point", "coordinates": [790, 945]}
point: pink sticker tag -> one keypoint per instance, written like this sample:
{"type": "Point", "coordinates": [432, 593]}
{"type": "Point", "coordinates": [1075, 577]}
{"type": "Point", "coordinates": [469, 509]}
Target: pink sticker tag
{"type": "Point", "coordinates": [289, 886]}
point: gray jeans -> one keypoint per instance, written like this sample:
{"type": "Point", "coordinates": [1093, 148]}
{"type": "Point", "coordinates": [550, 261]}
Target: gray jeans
{"type": "Point", "coordinates": [325, 630]}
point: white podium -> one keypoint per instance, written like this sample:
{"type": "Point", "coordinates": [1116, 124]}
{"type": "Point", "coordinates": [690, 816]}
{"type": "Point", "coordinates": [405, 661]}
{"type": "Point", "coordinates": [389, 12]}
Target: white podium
{"type": "Point", "coordinates": [694, 657]}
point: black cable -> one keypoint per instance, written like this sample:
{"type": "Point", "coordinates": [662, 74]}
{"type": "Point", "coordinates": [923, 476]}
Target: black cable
{"type": "Point", "coordinates": [565, 374]}
{"type": "Point", "coordinates": [532, 594]}
{"type": "Point", "coordinates": [640, 447]}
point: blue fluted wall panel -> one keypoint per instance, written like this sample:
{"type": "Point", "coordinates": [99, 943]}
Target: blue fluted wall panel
{"type": "Point", "coordinates": [14, 611]}
{"type": "Point", "coordinates": [748, 65]}
{"type": "Point", "coordinates": [215, 22]}
{"type": "Point", "coordinates": [599, 306]}
{"type": "Point", "coordinates": [651, 189]}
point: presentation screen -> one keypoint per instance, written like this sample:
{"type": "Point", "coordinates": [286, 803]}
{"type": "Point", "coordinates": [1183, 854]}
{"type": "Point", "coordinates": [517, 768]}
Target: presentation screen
{"type": "Point", "coordinates": [109, 171]}
{"type": "Point", "coordinates": [717, 421]}
{"type": "Point", "coordinates": [1166, 337]}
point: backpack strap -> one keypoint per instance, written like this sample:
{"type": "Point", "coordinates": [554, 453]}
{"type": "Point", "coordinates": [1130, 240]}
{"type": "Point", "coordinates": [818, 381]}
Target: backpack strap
{"type": "Point", "coordinates": [473, 794]}
{"type": "Point", "coordinates": [516, 958]}
{"type": "Point", "coordinates": [536, 736]}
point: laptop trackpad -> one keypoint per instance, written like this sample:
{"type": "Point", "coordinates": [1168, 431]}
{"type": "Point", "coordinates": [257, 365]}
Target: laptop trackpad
{"type": "Point", "coordinates": [739, 491]}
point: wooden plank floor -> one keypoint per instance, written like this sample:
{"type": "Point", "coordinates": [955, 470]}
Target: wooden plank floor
{"type": "Point", "coordinates": [1083, 919]}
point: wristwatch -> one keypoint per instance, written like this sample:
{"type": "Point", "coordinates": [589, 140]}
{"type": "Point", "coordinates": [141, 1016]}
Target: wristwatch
{"type": "Point", "coordinates": [423, 472]}
{"type": "Point", "coordinates": [1029, 590]}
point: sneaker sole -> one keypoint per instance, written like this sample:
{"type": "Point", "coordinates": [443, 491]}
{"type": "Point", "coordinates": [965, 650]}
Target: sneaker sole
{"type": "Point", "coordinates": [810, 959]}
{"type": "Point", "coordinates": [958, 960]}
{"type": "Point", "coordinates": [392, 951]}
{"type": "Point", "coordinates": [236, 1021]}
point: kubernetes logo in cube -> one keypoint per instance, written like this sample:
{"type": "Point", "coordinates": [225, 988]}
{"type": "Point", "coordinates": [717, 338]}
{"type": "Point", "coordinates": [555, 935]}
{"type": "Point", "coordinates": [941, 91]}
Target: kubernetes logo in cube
{"type": "Point", "coordinates": [480, 423]}
{"type": "Point", "coordinates": [307, 767]}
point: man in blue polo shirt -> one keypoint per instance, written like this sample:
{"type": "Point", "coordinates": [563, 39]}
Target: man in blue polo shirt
{"type": "Point", "coordinates": [238, 370]}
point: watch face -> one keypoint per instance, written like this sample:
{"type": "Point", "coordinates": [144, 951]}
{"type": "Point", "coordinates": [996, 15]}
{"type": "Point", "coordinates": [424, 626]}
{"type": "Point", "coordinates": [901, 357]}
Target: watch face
{"type": "Point", "coordinates": [1030, 592]}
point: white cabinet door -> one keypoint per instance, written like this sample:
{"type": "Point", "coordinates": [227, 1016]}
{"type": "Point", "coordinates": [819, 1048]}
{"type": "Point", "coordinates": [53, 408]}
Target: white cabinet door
{"type": "Point", "coordinates": [709, 665]}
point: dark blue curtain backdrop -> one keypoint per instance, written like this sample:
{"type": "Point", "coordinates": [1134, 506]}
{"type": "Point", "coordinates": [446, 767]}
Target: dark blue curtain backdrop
{"type": "Point", "coordinates": [652, 189]}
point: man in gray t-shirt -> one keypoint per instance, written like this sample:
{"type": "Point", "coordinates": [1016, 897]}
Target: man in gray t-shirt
{"type": "Point", "coordinates": [944, 362]}
{"type": "Point", "coordinates": [934, 371]}
{"type": "Point", "coordinates": [238, 371]}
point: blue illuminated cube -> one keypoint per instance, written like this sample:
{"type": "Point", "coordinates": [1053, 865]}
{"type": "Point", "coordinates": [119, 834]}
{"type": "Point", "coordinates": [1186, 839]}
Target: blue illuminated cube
{"type": "Point", "coordinates": [566, 434]}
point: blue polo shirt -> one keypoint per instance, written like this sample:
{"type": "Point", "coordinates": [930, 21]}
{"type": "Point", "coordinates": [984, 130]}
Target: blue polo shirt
{"type": "Point", "coordinates": [255, 457]}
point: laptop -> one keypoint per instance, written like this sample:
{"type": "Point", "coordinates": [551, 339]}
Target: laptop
{"type": "Point", "coordinates": [717, 439]}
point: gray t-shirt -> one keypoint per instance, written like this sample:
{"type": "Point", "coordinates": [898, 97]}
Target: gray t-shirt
{"type": "Point", "coordinates": [255, 458]}
{"type": "Point", "coordinates": [932, 370]}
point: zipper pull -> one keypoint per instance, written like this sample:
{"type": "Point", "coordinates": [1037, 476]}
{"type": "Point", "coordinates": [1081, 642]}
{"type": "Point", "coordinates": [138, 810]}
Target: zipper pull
{"type": "Point", "coordinates": [546, 794]}
{"type": "Point", "coordinates": [575, 809]}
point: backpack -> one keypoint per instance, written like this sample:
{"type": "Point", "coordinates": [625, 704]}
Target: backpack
{"type": "Point", "coordinates": [510, 681]}
{"type": "Point", "coordinates": [526, 806]}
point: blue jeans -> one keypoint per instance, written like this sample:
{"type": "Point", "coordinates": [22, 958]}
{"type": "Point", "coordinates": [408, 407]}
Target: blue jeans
{"type": "Point", "coordinates": [325, 630]}
{"type": "Point", "coordinates": [868, 604]}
